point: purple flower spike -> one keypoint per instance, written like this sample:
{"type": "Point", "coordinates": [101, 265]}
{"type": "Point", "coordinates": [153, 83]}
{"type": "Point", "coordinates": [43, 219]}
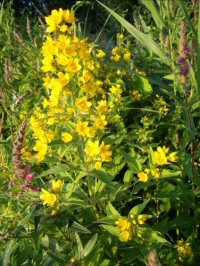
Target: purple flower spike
{"type": "Point", "coordinates": [27, 169]}
{"type": "Point", "coordinates": [29, 177]}
{"type": "Point", "coordinates": [24, 187]}
{"type": "Point", "coordinates": [180, 59]}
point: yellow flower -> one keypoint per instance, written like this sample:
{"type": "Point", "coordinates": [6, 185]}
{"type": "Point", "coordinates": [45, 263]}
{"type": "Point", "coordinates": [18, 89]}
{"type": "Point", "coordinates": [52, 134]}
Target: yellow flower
{"type": "Point", "coordinates": [83, 104]}
{"type": "Point", "coordinates": [73, 65]}
{"type": "Point", "coordinates": [105, 152]}
{"type": "Point", "coordinates": [125, 235]}
{"type": "Point", "coordinates": [54, 212]}
{"type": "Point", "coordinates": [91, 132]}
{"type": "Point", "coordinates": [92, 148]}
{"type": "Point", "coordinates": [48, 64]}
{"type": "Point", "coordinates": [143, 177]}
{"type": "Point", "coordinates": [160, 155]}
{"type": "Point", "coordinates": [163, 149]}
{"type": "Point", "coordinates": [124, 224]}
{"type": "Point", "coordinates": [48, 198]}
{"type": "Point", "coordinates": [101, 122]}
{"type": "Point", "coordinates": [100, 53]}
{"type": "Point", "coordinates": [184, 249]}
{"type": "Point", "coordinates": [49, 48]}
{"type": "Point", "coordinates": [66, 137]}
{"type": "Point", "coordinates": [54, 20]}
{"type": "Point", "coordinates": [86, 77]}
{"type": "Point", "coordinates": [90, 88]}
{"type": "Point", "coordinates": [127, 56]}
{"type": "Point", "coordinates": [102, 106]}
{"type": "Point", "coordinates": [82, 128]}
{"type": "Point", "coordinates": [125, 228]}
{"type": "Point", "coordinates": [41, 146]}
{"type": "Point", "coordinates": [172, 157]}
{"type": "Point", "coordinates": [64, 28]}
{"type": "Point", "coordinates": [136, 95]}
{"type": "Point", "coordinates": [142, 218]}
{"type": "Point", "coordinates": [115, 50]}
{"type": "Point", "coordinates": [116, 90]}
{"type": "Point", "coordinates": [70, 111]}
{"type": "Point", "coordinates": [68, 16]}
{"type": "Point", "coordinates": [39, 157]}
{"type": "Point", "coordinates": [63, 79]}
{"type": "Point", "coordinates": [57, 185]}
{"type": "Point", "coordinates": [120, 36]}
{"type": "Point", "coordinates": [97, 165]}
{"type": "Point", "coordinates": [155, 172]}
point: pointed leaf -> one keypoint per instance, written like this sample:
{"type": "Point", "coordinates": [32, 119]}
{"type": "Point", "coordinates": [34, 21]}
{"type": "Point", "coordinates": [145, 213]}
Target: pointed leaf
{"type": "Point", "coordinates": [139, 208]}
{"type": "Point", "coordinates": [90, 245]}
{"type": "Point", "coordinates": [154, 12]}
{"type": "Point", "coordinates": [143, 38]}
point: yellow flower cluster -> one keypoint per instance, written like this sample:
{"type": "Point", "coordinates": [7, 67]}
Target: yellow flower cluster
{"type": "Point", "coordinates": [121, 53]}
{"type": "Point", "coordinates": [81, 99]}
{"type": "Point", "coordinates": [147, 174]}
{"type": "Point", "coordinates": [128, 226]}
{"type": "Point", "coordinates": [161, 157]}
{"type": "Point", "coordinates": [51, 197]}
{"type": "Point", "coordinates": [184, 249]}
{"type": "Point", "coordinates": [58, 19]}
{"type": "Point", "coordinates": [161, 105]}
{"type": "Point", "coordinates": [125, 227]}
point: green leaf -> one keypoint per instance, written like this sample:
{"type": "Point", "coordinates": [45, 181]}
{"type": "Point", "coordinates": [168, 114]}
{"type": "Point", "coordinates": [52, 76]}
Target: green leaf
{"type": "Point", "coordinates": [128, 176]}
{"type": "Point", "coordinates": [10, 247]}
{"type": "Point", "coordinates": [115, 170]}
{"type": "Point", "coordinates": [4, 199]}
{"type": "Point", "coordinates": [110, 209]}
{"type": "Point", "coordinates": [75, 201]}
{"type": "Point", "coordinates": [142, 85]}
{"type": "Point", "coordinates": [57, 257]}
{"type": "Point", "coordinates": [169, 173]}
{"type": "Point", "coordinates": [154, 12]}
{"type": "Point", "coordinates": [131, 253]}
{"type": "Point", "coordinates": [153, 236]}
{"type": "Point", "coordinates": [104, 177]}
{"type": "Point", "coordinates": [169, 77]}
{"type": "Point", "coordinates": [79, 246]}
{"type": "Point", "coordinates": [90, 245]}
{"type": "Point", "coordinates": [133, 163]}
{"type": "Point", "coordinates": [143, 38]}
{"type": "Point", "coordinates": [145, 27]}
{"type": "Point", "coordinates": [55, 169]}
{"type": "Point", "coordinates": [76, 227]}
{"type": "Point", "coordinates": [111, 229]}
{"type": "Point", "coordinates": [111, 219]}
{"type": "Point", "coordinates": [151, 157]}
{"type": "Point", "coordinates": [187, 165]}
{"type": "Point", "coordinates": [139, 208]}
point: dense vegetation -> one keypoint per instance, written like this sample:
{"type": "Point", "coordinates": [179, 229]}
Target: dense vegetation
{"type": "Point", "coordinates": [99, 134]}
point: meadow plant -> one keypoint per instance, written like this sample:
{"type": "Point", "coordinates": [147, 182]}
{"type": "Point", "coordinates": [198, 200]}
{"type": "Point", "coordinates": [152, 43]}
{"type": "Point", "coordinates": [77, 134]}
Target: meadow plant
{"type": "Point", "coordinates": [105, 165]}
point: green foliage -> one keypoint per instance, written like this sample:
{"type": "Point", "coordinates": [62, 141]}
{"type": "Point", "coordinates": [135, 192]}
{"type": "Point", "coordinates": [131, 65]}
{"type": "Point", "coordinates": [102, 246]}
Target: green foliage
{"type": "Point", "coordinates": [113, 196]}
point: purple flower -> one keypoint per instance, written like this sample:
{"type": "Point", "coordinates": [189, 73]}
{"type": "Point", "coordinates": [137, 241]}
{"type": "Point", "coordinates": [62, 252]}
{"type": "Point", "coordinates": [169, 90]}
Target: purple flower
{"type": "Point", "coordinates": [29, 177]}
{"type": "Point", "coordinates": [180, 59]}
{"type": "Point", "coordinates": [24, 187]}
{"type": "Point", "coordinates": [27, 169]}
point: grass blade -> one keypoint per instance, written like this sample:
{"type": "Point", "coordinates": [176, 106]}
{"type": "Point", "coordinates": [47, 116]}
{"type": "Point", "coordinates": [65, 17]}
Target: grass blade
{"type": "Point", "coordinates": [154, 12]}
{"type": "Point", "coordinates": [143, 38]}
{"type": "Point", "coordinates": [198, 54]}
